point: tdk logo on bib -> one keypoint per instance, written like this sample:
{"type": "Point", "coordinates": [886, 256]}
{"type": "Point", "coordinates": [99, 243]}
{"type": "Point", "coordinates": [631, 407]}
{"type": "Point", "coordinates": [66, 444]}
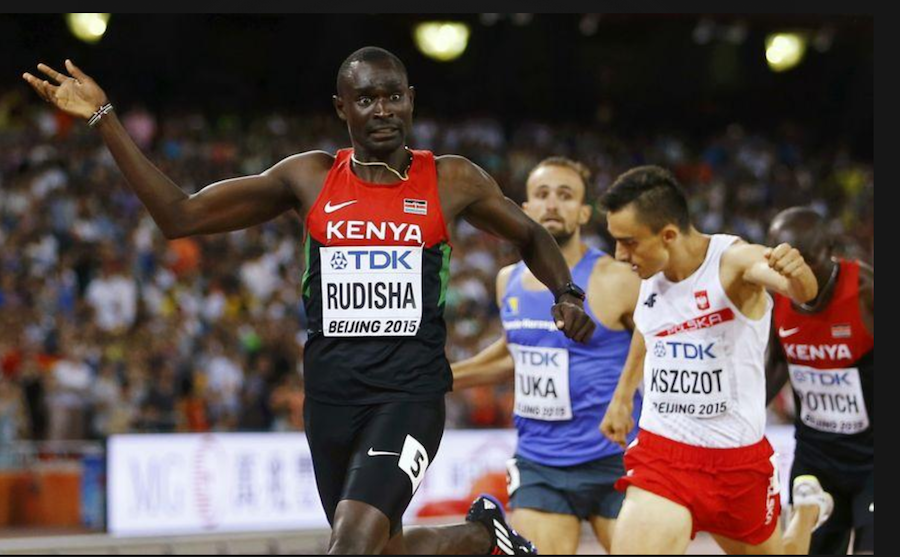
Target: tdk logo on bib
{"type": "Point", "coordinates": [815, 377]}
{"type": "Point", "coordinates": [372, 260]}
{"type": "Point", "coordinates": [684, 350]}
{"type": "Point", "coordinates": [659, 349]}
{"type": "Point", "coordinates": [533, 358]}
{"type": "Point", "coordinates": [338, 261]}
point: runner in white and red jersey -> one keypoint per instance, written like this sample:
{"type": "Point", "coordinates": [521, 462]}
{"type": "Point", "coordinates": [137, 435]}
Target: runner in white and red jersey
{"type": "Point", "coordinates": [827, 350]}
{"type": "Point", "coordinates": [701, 461]}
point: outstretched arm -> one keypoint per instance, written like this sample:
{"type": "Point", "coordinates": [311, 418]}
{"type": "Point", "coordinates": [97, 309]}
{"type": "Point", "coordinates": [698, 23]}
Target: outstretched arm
{"type": "Point", "coordinates": [488, 209]}
{"type": "Point", "coordinates": [492, 365]}
{"type": "Point", "coordinates": [220, 207]}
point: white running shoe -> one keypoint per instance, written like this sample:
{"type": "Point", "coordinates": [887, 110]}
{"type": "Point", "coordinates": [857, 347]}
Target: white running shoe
{"type": "Point", "coordinates": [808, 491]}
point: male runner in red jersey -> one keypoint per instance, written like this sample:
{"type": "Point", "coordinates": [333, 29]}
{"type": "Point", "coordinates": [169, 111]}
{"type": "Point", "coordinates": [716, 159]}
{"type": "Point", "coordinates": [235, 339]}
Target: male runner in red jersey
{"type": "Point", "coordinates": [826, 348]}
{"type": "Point", "coordinates": [377, 268]}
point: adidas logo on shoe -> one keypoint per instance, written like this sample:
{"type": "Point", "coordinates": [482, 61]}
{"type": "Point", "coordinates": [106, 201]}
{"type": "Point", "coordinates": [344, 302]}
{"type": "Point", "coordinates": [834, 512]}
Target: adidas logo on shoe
{"type": "Point", "coordinates": [505, 540]}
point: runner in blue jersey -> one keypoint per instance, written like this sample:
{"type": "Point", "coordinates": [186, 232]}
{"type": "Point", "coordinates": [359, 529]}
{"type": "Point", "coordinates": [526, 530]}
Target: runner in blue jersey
{"type": "Point", "coordinates": [564, 468]}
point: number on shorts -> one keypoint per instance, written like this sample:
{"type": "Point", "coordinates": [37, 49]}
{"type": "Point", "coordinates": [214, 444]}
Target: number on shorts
{"type": "Point", "coordinates": [413, 461]}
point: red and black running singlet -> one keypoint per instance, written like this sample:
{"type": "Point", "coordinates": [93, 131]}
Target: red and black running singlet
{"type": "Point", "coordinates": [378, 263]}
{"type": "Point", "coordinates": [831, 360]}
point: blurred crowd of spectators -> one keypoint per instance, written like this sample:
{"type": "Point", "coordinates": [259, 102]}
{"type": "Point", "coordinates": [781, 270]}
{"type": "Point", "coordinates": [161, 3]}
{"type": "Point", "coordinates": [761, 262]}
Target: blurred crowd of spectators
{"type": "Point", "coordinates": [107, 327]}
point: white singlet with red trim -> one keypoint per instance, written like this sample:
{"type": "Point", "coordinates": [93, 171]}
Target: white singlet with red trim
{"type": "Point", "coordinates": [704, 371]}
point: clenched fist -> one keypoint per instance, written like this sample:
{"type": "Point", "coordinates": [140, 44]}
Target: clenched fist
{"type": "Point", "coordinates": [618, 421]}
{"type": "Point", "coordinates": [572, 320]}
{"type": "Point", "coordinates": [785, 260]}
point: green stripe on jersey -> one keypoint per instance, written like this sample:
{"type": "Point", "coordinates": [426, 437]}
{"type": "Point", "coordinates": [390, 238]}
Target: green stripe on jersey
{"type": "Point", "coordinates": [445, 271]}
{"type": "Point", "coordinates": [305, 282]}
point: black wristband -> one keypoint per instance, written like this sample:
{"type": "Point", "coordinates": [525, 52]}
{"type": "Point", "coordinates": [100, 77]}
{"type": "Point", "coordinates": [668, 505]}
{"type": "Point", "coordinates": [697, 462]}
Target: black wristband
{"type": "Point", "coordinates": [569, 288]}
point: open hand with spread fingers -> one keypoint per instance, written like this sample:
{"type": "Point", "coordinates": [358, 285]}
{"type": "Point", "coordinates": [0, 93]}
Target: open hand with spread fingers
{"type": "Point", "coordinates": [76, 94]}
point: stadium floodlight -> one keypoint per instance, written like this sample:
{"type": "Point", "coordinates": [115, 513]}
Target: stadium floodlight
{"type": "Point", "coordinates": [88, 27]}
{"type": "Point", "coordinates": [442, 40]}
{"type": "Point", "coordinates": [784, 50]}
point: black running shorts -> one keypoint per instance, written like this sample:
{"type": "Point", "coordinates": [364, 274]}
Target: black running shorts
{"type": "Point", "coordinates": [375, 454]}
{"type": "Point", "coordinates": [854, 509]}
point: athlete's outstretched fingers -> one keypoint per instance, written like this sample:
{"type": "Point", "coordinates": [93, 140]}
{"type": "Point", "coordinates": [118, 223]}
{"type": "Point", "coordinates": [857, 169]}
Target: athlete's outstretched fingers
{"type": "Point", "coordinates": [76, 71]}
{"type": "Point", "coordinates": [53, 74]}
{"type": "Point", "coordinates": [36, 84]}
{"type": "Point", "coordinates": [49, 90]}
{"type": "Point", "coordinates": [42, 86]}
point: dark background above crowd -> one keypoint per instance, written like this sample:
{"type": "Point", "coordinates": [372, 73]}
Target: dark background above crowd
{"type": "Point", "coordinates": [625, 73]}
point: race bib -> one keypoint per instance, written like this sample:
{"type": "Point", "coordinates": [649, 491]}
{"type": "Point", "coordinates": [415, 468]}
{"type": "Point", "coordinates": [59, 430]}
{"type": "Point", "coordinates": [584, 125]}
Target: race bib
{"type": "Point", "coordinates": [542, 382]}
{"type": "Point", "coordinates": [371, 291]}
{"type": "Point", "coordinates": [831, 400]}
{"type": "Point", "coordinates": [689, 377]}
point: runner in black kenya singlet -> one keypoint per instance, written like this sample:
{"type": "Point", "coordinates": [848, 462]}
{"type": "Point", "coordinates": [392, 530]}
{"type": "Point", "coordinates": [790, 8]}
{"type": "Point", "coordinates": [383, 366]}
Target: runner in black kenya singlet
{"type": "Point", "coordinates": [378, 266]}
{"type": "Point", "coordinates": [376, 372]}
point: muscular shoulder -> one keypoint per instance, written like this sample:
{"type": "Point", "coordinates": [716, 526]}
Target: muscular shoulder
{"type": "Point", "coordinates": [738, 258]}
{"type": "Point", "coordinates": [310, 162]}
{"type": "Point", "coordinates": [459, 171]}
{"type": "Point", "coordinates": [612, 274]}
{"type": "Point", "coordinates": [742, 253]}
{"type": "Point", "coordinates": [303, 173]}
{"type": "Point", "coordinates": [613, 284]}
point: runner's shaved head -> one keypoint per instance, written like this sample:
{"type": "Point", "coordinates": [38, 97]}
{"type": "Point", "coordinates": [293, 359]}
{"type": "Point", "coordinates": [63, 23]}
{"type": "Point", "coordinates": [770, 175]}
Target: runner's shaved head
{"type": "Point", "coordinates": [368, 54]}
{"type": "Point", "coordinates": [804, 229]}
